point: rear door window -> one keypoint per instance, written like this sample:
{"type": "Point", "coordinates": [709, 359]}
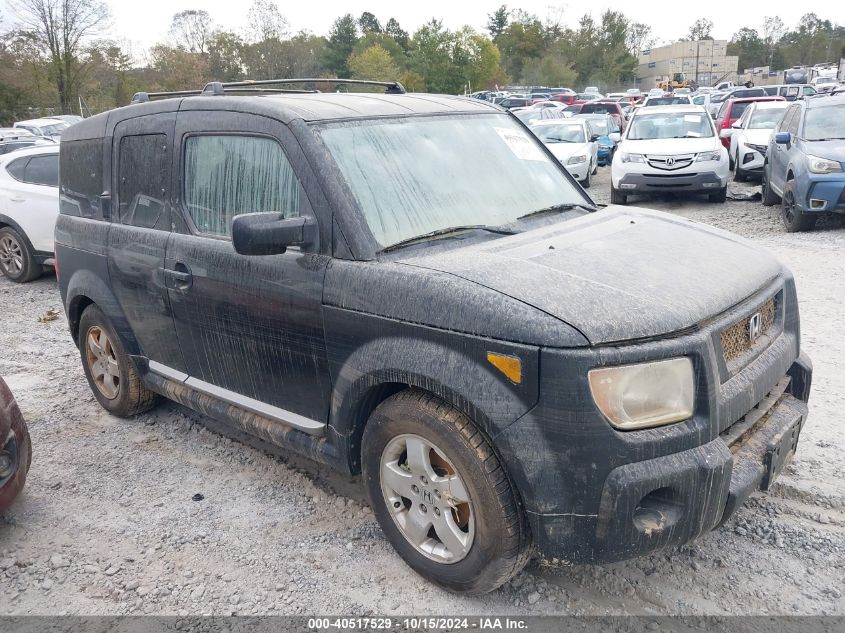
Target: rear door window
{"type": "Point", "coordinates": [43, 170]}
{"type": "Point", "coordinates": [143, 181]}
{"type": "Point", "coordinates": [17, 167]}
{"type": "Point", "coordinates": [227, 175]}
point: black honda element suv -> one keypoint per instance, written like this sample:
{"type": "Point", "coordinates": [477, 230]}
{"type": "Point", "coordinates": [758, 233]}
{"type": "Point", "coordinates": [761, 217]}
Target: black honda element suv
{"type": "Point", "coordinates": [412, 287]}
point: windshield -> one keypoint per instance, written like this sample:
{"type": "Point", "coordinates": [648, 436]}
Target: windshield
{"type": "Point", "coordinates": [766, 119]}
{"type": "Point", "coordinates": [670, 125]}
{"type": "Point", "coordinates": [53, 130]}
{"type": "Point", "coordinates": [560, 133]}
{"type": "Point", "coordinates": [415, 175]}
{"type": "Point", "coordinates": [825, 80]}
{"type": "Point", "coordinates": [825, 123]}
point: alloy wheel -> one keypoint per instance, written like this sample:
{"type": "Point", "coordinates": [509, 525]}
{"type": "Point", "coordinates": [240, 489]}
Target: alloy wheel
{"type": "Point", "coordinates": [788, 207]}
{"type": "Point", "coordinates": [427, 498]}
{"type": "Point", "coordinates": [11, 255]}
{"type": "Point", "coordinates": [102, 362]}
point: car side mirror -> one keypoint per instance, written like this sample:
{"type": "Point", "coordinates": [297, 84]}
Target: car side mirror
{"type": "Point", "coordinates": [737, 125]}
{"type": "Point", "coordinates": [270, 234]}
{"type": "Point", "coordinates": [594, 138]}
{"type": "Point", "coordinates": [783, 138]}
{"type": "Point", "coordinates": [615, 137]}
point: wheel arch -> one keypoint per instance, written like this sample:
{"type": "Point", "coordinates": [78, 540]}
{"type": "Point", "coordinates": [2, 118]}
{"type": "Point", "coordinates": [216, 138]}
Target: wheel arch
{"type": "Point", "coordinates": [386, 366]}
{"type": "Point", "coordinates": [6, 221]}
{"type": "Point", "coordinates": [85, 288]}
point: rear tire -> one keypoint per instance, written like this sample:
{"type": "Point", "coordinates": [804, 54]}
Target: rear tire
{"type": "Point", "coordinates": [16, 260]}
{"type": "Point", "coordinates": [794, 219]}
{"type": "Point", "coordinates": [617, 197]}
{"type": "Point", "coordinates": [770, 198]}
{"type": "Point", "coordinates": [110, 372]}
{"type": "Point", "coordinates": [494, 543]}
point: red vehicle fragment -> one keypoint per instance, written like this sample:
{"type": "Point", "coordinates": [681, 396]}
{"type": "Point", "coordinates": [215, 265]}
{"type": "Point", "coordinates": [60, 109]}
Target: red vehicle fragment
{"type": "Point", "coordinates": [15, 448]}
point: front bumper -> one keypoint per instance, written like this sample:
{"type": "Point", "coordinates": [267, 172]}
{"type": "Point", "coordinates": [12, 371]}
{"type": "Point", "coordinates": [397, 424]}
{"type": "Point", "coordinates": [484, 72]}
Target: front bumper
{"type": "Point", "coordinates": [578, 171]}
{"type": "Point", "coordinates": [676, 498]}
{"type": "Point", "coordinates": [669, 181]}
{"type": "Point", "coordinates": [825, 194]}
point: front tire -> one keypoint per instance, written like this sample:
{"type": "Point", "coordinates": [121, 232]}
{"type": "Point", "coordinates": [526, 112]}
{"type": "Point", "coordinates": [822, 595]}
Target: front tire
{"type": "Point", "coordinates": [794, 219]}
{"type": "Point", "coordinates": [617, 197]}
{"type": "Point", "coordinates": [739, 174]}
{"type": "Point", "coordinates": [110, 372]}
{"type": "Point", "coordinates": [588, 180]}
{"type": "Point", "coordinates": [16, 260]}
{"type": "Point", "coordinates": [441, 496]}
{"type": "Point", "coordinates": [720, 196]}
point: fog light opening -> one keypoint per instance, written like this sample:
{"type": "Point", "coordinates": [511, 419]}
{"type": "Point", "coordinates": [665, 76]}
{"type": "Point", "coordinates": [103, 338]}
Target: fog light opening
{"type": "Point", "coordinates": [817, 204]}
{"type": "Point", "coordinates": [658, 510]}
{"type": "Point", "coordinates": [627, 186]}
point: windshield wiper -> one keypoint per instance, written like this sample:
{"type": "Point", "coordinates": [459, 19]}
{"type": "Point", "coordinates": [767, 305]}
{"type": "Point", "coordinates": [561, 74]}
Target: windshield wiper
{"type": "Point", "coordinates": [556, 208]}
{"type": "Point", "coordinates": [441, 233]}
{"type": "Point", "coordinates": [559, 140]}
{"type": "Point", "coordinates": [831, 138]}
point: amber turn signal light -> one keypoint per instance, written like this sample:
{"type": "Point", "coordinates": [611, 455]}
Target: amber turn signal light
{"type": "Point", "coordinates": [510, 366]}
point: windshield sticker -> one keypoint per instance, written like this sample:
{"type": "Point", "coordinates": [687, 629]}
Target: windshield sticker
{"type": "Point", "coordinates": [692, 118]}
{"type": "Point", "coordinates": [522, 146]}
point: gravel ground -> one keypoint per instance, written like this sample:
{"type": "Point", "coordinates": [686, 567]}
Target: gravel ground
{"type": "Point", "coordinates": [107, 523]}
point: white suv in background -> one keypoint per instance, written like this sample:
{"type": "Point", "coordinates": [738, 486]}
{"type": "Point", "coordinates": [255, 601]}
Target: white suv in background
{"type": "Point", "coordinates": [670, 148]}
{"type": "Point", "coordinates": [29, 206]}
{"type": "Point", "coordinates": [750, 138]}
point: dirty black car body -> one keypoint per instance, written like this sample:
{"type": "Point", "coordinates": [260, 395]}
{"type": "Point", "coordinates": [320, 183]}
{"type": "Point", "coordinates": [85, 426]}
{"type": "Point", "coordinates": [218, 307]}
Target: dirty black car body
{"type": "Point", "coordinates": [322, 329]}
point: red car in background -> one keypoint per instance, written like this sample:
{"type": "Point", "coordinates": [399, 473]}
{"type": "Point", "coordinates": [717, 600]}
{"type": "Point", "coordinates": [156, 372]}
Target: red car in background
{"type": "Point", "coordinates": [567, 98]}
{"type": "Point", "coordinates": [15, 448]}
{"type": "Point", "coordinates": [730, 112]}
{"type": "Point", "coordinates": [613, 108]}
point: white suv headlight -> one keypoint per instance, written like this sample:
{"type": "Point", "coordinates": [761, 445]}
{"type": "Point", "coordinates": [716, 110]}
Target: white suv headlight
{"type": "Point", "coordinates": [822, 165]}
{"type": "Point", "coordinates": [631, 158]}
{"type": "Point", "coordinates": [705, 156]}
{"type": "Point", "coordinates": [576, 160]}
{"type": "Point", "coordinates": [646, 394]}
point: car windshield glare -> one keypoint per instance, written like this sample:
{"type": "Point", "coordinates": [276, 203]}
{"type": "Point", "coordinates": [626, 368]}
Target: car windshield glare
{"type": "Point", "coordinates": [825, 123]}
{"type": "Point", "coordinates": [416, 175]}
{"type": "Point", "coordinates": [670, 125]}
{"type": "Point", "coordinates": [766, 119]}
{"type": "Point", "coordinates": [598, 126]}
{"type": "Point", "coordinates": [561, 133]}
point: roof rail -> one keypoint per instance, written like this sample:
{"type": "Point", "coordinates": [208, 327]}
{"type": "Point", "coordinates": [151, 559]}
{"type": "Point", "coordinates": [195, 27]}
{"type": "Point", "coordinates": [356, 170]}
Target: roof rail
{"type": "Point", "coordinates": [218, 88]}
{"type": "Point", "coordinates": [250, 86]}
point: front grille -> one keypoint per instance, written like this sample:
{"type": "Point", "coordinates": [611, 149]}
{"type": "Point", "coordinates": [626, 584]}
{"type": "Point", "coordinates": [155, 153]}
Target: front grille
{"type": "Point", "coordinates": [678, 162]}
{"type": "Point", "coordinates": [736, 340]}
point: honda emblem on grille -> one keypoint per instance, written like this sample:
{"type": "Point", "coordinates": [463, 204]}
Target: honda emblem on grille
{"type": "Point", "coordinates": [670, 162]}
{"type": "Point", "coordinates": [755, 326]}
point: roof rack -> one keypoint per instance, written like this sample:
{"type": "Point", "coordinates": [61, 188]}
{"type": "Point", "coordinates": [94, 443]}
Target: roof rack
{"type": "Point", "coordinates": [250, 86]}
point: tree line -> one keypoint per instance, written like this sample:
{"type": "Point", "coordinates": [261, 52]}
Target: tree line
{"type": "Point", "coordinates": [54, 54]}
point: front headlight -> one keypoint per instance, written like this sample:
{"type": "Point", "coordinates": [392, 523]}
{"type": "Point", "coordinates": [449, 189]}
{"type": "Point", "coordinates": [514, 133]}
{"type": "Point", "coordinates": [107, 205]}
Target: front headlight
{"type": "Point", "coordinates": [644, 395]}
{"type": "Point", "coordinates": [822, 165]}
{"type": "Point", "coordinates": [705, 156]}
{"type": "Point", "coordinates": [632, 158]}
{"type": "Point", "coordinates": [577, 160]}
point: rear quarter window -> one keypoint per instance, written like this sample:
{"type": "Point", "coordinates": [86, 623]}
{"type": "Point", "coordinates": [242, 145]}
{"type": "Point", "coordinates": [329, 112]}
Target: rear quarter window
{"type": "Point", "coordinates": [17, 167]}
{"type": "Point", "coordinates": [81, 178]}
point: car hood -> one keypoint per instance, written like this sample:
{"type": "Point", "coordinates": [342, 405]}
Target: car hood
{"type": "Point", "coordinates": [670, 147]}
{"type": "Point", "coordinates": [616, 275]}
{"type": "Point", "coordinates": [832, 150]}
{"type": "Point", "coordinates": [565, 150]}
{"type": "Point", "coordinates": [757, 136]}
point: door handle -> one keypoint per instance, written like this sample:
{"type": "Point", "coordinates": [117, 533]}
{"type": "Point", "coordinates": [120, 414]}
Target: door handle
{"type": "Point", "coordinates": [179, 277]}
{"type": "Point", "coordinates": [17, 199]}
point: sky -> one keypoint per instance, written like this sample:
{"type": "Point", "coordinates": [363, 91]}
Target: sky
{"type": "Point", "coordinates": [141, 23]}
